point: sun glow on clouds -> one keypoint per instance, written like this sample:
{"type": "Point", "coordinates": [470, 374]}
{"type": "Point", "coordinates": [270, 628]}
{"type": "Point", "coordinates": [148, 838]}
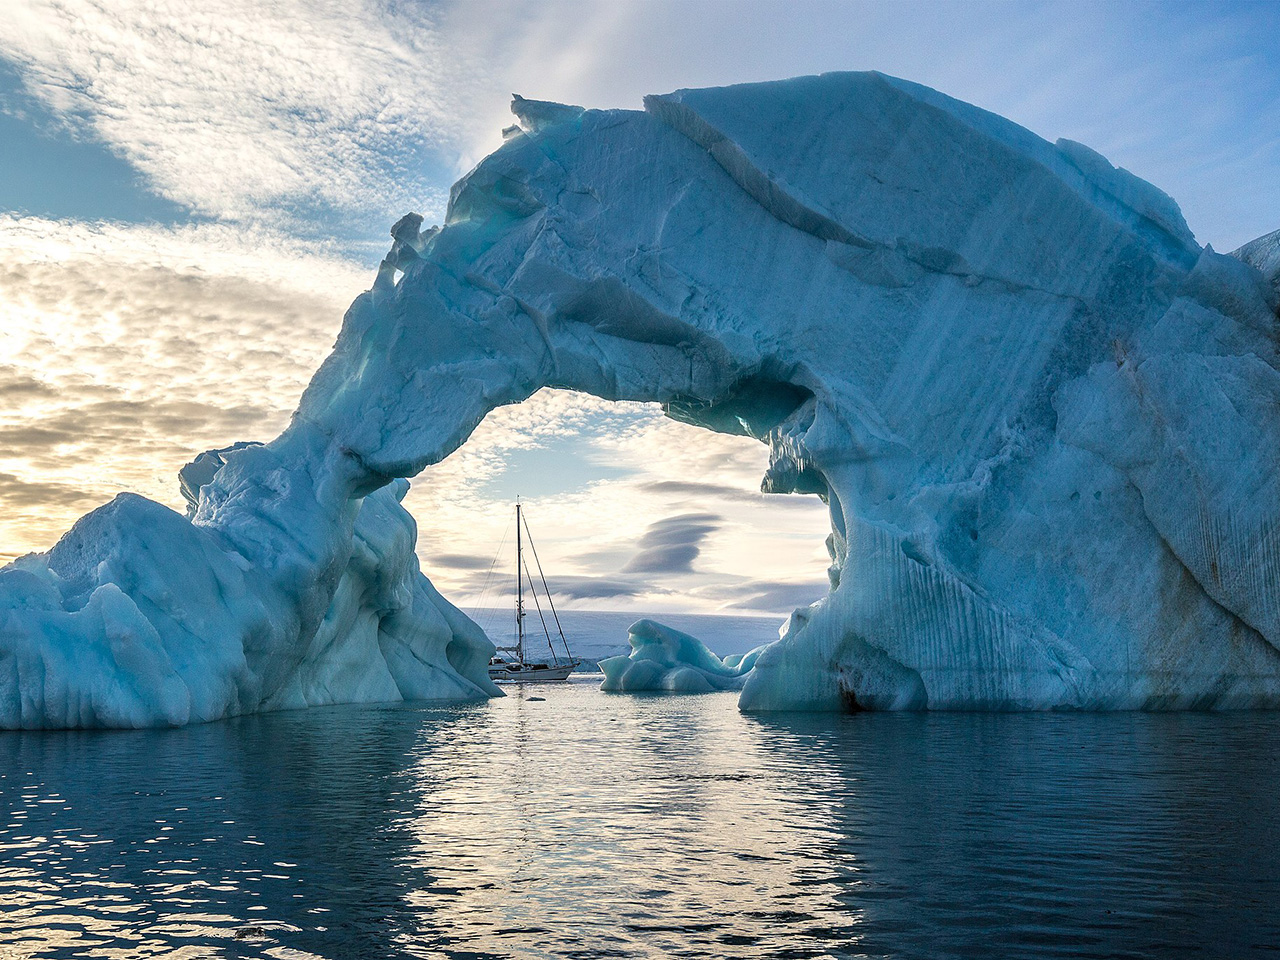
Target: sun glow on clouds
{"type": "Point", "coordinates": [125, 351]}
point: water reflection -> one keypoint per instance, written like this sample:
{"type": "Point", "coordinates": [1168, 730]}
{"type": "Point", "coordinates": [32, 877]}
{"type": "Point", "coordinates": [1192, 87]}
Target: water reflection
{"type": "Point", "coordinates": [1119, 835]}
{"type": "Point", "coordinates": [288, 827]}
{"type": "Point", "coordinates": [583, 825]}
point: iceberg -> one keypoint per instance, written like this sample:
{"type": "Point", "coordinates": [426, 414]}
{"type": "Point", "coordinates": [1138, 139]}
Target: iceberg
{"type": "Point", "coordinates": [142, 617]}
{"type": "Point", "coordinates": [665, 659]}
{"type": "Point", "coordinates": [1041, 415]}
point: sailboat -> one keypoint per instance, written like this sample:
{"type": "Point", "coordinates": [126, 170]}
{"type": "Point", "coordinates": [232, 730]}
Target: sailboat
{"type": "Point", "coordinates": [520, 667]}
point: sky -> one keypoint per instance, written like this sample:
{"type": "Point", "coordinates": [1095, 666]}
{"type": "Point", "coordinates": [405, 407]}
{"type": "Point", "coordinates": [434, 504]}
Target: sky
{"type": "Point", "coordinates": [191, 194]}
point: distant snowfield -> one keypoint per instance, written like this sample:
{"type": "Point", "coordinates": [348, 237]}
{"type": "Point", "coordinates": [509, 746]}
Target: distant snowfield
{"type": "Point", "coordinates": [1041, 418]}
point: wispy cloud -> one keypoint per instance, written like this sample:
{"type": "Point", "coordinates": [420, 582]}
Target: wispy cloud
{"type": "Point", "coordinates": [361, 109]}
{"type": "Point", "coordinates": [774, 596]}
{"type": "Point", "coordinates": [671, 545]}
{"type": "Point", "coordinates": [599, 588]}
{"type": "Point", "coordinates": [232, 107]}
{"type": "Point", "coordinates": [461, 561]}
{"type": "Point", "coordinates": [695, 490]}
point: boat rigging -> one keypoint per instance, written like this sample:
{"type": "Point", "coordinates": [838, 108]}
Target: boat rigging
{"type": "Point", "coordinates": [519, 668]}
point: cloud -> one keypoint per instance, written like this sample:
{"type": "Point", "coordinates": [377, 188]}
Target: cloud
{"type": "Point", "coordinates": [595, 588]}
{"type": "Point", "coordinates": [701, 490]}
{"type": "Point", "coordinates": [125, 351]}
{"type": "Point", "coordinates": [16, 385]}
{"type": "Point", "coordinates": [780, 597]}
{"type": "Point", "coordinates": [461, 561]}
{"type": "Point", "coordinates": [491, 591]}
{"type": "Point", "coordinates": [341, 106]}
{"type": "Point", "coordinates": [671, 545]}
{"type": "Point", "coordinates": [692, 488]}
{"type": "Point", "coordinates": [17, 493]}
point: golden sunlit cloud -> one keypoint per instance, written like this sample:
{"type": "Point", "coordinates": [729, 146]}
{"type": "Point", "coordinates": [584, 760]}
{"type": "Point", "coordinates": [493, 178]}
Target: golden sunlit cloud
{"type": "Point", "coordinates": [127, 350]}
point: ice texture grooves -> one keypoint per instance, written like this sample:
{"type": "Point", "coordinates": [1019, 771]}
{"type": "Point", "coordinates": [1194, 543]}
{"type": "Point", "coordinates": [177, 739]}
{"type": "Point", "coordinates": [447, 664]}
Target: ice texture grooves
{"type": "Point", "coordinates": [1041, 415]}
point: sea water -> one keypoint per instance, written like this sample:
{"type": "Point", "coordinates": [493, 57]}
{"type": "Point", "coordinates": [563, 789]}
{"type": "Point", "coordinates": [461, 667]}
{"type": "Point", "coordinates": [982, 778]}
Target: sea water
{"type": "Point", "coordinates": [566, 822]}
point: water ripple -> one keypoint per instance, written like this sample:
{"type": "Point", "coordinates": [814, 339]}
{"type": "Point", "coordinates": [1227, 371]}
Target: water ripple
{"type": "Point", "coordinates": [586, 825]}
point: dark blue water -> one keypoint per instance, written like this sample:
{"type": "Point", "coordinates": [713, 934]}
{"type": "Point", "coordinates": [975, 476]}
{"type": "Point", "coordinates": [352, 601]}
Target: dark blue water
{"type": "Point", "coordinates": [591, 825]}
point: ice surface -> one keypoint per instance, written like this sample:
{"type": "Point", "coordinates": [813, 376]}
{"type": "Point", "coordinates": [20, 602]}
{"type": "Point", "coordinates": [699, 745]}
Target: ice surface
{"type": "Point", "coordinates": [1263, 254]}
{"type": "Point", "coordinates": [140, 617]}
{"type": "Point", "coordinates": [665, 659]}
{"type": "Point", "coordinates": [1042, 416]}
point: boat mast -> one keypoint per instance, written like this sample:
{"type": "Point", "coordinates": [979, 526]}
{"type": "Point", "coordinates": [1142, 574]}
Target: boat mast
{"type": "Point", "coordinates": [519, 589]}
{"type": "Point", "coordinates": [551, 603]}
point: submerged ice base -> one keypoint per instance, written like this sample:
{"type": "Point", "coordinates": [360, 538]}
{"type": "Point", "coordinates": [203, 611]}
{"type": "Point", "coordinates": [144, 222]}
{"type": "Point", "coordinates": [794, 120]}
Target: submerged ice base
{"type": "Point", "coordinates": [1042, 417]}
{"type": "Point", "coordinates": [664, 659]}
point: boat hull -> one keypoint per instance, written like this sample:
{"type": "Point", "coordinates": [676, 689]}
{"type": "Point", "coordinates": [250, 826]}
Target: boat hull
{"type": "Point", "coordinates": [531, 672]}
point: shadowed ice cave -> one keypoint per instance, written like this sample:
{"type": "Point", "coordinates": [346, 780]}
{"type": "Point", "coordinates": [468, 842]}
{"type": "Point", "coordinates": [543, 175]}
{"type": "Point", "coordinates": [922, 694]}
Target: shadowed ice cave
{"type": "Point", "coordinates": [1041, 415]}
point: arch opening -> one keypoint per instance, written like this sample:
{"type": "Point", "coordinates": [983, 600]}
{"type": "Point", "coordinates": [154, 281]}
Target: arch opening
{"type": "Point", "coordinates": [637, 514]}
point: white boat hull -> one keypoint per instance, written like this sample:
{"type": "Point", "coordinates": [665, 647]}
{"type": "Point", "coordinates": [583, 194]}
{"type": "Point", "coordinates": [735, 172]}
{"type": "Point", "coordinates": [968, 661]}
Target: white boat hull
{"type": "Point", "coordinates": [531, 672]}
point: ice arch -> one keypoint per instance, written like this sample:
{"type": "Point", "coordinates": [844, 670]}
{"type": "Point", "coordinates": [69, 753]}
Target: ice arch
{"type": "Point", "coordinates": [1041, 414]}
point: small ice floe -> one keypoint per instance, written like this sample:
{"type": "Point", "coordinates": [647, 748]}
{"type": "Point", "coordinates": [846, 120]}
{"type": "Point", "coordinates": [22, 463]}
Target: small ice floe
{"type": "Point", "coordinates": [664, 659]}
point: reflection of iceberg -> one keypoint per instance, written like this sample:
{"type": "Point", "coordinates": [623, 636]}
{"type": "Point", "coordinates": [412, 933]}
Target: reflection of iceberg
{"type": "Point", "coordinates": [666, 659]}
{"type": "Point", "coordinates": [1042, 416]}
